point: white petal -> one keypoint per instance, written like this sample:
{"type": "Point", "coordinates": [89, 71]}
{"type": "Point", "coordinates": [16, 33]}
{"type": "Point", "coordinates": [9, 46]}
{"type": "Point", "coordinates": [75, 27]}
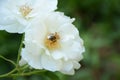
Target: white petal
{"type": "Point", "coordinates": [50, 64]}
{"type": "Point", "coordinates": [67, 65]}
{"type": "Point", "coordinates": [56, 19]}
{"type": "Point", "coordinates": [76, 65]}
{"type": "Point", "coordinates": [71, 72]}
{"type": "Point", "coordinates": [46, 5]}
{"type": "Point", "coordinates": [22, 62]}
{"type": "Point", "coordinates": [68, 68]}
{"type": "Point", "coordinates": [68, 32]}
{"type": "Point", "coordinates": [72, 48]}
{"type": "Point", "coordinates": [33, 60]}
{"type": "Point", "coordinates": [13, 28]}
{"type": "Point", "coordinates": [57, 54]}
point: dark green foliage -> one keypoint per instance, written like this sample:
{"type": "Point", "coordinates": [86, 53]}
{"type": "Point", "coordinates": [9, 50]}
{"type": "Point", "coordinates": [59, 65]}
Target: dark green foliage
{"type": "Point", "coordinates": [99, 24]}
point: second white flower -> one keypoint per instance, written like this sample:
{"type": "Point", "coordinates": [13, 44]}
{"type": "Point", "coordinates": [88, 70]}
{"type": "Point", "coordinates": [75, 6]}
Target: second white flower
{"type": "Point", "coordinates": [53, 44]}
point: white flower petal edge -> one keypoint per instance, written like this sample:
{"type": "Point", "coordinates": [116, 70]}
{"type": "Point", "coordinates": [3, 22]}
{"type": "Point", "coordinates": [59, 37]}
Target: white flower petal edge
{"type": "Point", "coordinates": [53, 44]}
{"type": "Point", "coordinates": [22, 62]}
{"type": "Point", "coordinates": [15, 15]}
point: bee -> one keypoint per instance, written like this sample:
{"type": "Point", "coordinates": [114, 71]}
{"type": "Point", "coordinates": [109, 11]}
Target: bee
{"type": "Point", "coordinates": [53, 37]}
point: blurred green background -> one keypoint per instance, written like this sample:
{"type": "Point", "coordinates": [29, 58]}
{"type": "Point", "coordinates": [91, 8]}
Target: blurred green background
{"type": "Point", "coordinates": [99, 24]}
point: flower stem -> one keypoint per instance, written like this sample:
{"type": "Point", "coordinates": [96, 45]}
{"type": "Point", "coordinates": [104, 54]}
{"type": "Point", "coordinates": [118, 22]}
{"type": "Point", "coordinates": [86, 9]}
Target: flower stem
{"type": "Point", "coordinates": [28, 73]}
{"type": "Point", "coordinates": [8, 74]}
{"type": "Point", "coordinates": [19, 71]}
{"type": "Point", "coordinates": [20, 49]}
{"type": "Point", "coordinates": [12, 62]}
{"type": "Point", "coordinates": [19, 52]}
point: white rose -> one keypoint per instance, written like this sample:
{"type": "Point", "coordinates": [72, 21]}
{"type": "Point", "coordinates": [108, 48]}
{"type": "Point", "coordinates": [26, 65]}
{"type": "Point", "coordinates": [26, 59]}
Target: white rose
{"type": "Point", "coordinates": [16, 14]}
{"type": "Point", "coordinates": [53, 44]}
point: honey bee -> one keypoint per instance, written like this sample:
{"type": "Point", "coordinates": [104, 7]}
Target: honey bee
{"type": "Point", "coordinates": [53, 37]}
{"type": "Point", "coordinates": [52, 41]}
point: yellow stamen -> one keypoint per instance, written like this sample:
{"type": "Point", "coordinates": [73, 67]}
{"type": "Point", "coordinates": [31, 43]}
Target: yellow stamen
{"type": "Point", "coordinates": [25, 10]}
{"type": "Point", "coordinates": [52, 41]}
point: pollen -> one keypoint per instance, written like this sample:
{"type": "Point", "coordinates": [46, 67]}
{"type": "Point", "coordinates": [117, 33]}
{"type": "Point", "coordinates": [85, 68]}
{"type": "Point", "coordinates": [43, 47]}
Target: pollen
{"type": "Point", "coordinates": [25, 10]}
{"type": "Point", "coordinates": [52, 41]}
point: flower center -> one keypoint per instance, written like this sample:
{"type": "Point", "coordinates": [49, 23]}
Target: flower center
{"type": "Point", "coordinates": [52, 41]}
{"type": "Point", "coordinates": [25, 10]}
